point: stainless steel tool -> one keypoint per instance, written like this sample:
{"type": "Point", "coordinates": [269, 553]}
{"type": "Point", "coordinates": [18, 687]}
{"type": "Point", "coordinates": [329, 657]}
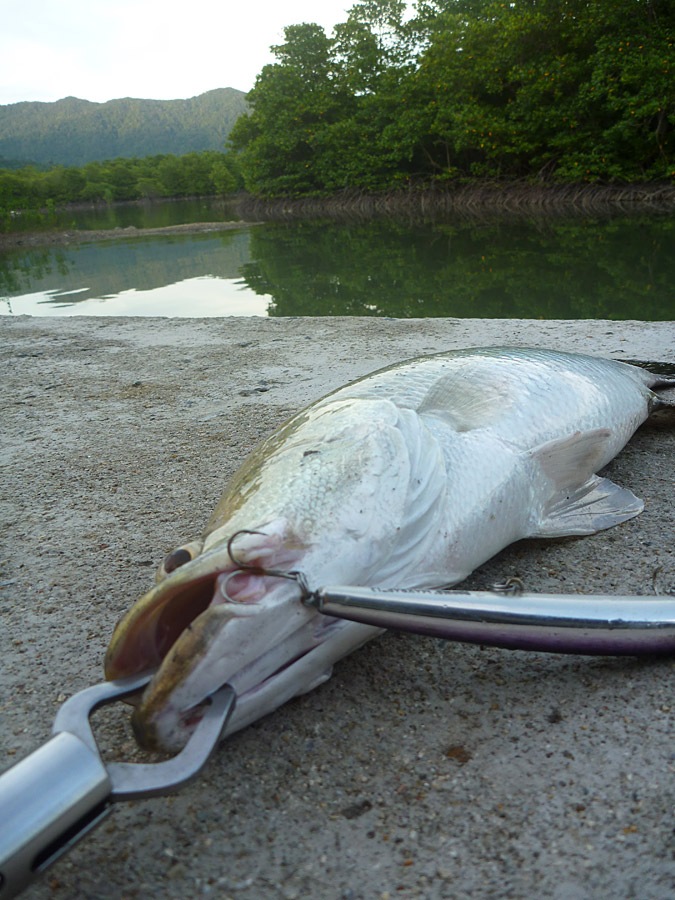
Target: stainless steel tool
{"type": "Point", "coordinates": [54, 797]}
{"type": "Point", "coordinates": [558, 623]}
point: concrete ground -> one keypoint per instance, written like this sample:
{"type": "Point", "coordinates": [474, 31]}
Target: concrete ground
{"type": "Point", "coordinates": [422, 768]}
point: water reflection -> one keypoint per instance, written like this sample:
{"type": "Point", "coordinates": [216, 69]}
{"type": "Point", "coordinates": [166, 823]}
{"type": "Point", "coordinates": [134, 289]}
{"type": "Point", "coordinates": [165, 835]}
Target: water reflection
{"type": "Point", "coordinates": [139, 214]}
{"type": "Point", "coordinates": [195, 297]}
{"type": "Point", "coordinates": [19, 271]}
{"type": "Point", "coordinates": [616, 269]}
{"type": "Point", "coordinates": [174, 275]}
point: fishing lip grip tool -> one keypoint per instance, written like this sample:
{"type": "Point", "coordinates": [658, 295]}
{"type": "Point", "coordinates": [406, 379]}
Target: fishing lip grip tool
{"type": "Point", "coordinates": [61, 791]}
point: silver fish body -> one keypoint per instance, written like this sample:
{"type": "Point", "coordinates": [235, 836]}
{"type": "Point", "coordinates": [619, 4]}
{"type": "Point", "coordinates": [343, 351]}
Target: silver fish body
{"type": "Point", "coordinates": [410, 477]}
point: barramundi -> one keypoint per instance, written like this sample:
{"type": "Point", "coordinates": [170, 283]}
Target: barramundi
{"type": "Point", "coordinates": [409, 477]}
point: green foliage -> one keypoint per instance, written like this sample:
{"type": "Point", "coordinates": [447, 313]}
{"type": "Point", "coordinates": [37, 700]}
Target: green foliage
{"type": "Point", "coordinates": [73, 132]}
{"type": "Point", "coordinates": [566, 90]}
{"type": "Point", "coordinates": [30, 190]}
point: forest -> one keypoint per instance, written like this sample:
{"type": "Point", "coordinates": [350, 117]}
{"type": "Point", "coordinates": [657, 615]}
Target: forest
{"type": "Point", "coordinates": [30, 189]}
{"type": "Point", "coordinates": [465, 90]}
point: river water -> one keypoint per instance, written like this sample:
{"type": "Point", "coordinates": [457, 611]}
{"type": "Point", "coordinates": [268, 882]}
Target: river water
{"type": "Point", "coordinates": [619, 268]}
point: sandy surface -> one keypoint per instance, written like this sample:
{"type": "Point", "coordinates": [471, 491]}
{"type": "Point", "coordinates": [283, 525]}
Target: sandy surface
{"type": "Point", "coordinates": [421, 769]}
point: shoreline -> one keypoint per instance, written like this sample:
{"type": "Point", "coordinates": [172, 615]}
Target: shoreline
{"type": "Point", "coordinates": [23, 239]}
{"type": "Point", "coordinates": [476, 202]}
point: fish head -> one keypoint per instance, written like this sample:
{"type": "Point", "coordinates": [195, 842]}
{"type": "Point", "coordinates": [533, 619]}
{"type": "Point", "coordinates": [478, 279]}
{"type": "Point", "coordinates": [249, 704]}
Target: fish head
{"type": "Point", "coordinates": [206, 623]}
{"type": "Point", "coordinates": [323, 501]}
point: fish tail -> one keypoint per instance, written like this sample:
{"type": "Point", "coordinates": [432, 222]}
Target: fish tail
{"type": "Point", "coordinates": [664, 392]}
{"type": "Point", "coordinates": [661, 382]}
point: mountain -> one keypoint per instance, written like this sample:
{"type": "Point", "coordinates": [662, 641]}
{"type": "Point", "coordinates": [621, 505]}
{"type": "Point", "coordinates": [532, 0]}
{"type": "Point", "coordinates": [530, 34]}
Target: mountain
{"type": "Point", "coordinates": [72, 132]}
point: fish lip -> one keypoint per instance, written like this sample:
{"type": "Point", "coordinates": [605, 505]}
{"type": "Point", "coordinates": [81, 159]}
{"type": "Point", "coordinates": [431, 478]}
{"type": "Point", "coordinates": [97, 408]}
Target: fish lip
{"type": "Point", "coordinates": [258, 650]}
{"type": "Point", "coordinates": [146, 632]}
{"type": "Point", "coordinates": [146, 638]}
{"type": "Point", "coordinates": [140, 642]}
{"type": "Point", "coordinates": [147, 733]}
{"type": "Point", "coordinates": [146, 729]}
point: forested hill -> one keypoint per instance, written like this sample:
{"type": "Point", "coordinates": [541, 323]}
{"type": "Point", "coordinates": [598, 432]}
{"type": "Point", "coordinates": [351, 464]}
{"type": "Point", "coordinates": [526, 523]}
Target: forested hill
{"type": "Point", "coordinates": [73, 132]}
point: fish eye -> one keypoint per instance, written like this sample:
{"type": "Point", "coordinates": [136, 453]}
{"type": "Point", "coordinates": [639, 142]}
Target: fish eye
{"type": "Point", "coordinates": [176, 558]}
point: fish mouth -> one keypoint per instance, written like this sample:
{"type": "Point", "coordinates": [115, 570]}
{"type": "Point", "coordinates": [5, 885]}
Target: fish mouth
{"type": "Point", "coordinates": [204, 625]}
{"type": "Point", "coordinates": [178, 694]}
{"type": "Point", "coordinates": [146, 633]}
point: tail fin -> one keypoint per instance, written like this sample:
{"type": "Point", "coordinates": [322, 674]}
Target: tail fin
{"type": "Point", "coordinates": [664, 388]}
{"type": "Point", "coordinates": [662, 382]}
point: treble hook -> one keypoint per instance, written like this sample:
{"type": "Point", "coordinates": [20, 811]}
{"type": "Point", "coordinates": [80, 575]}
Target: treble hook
{"type": "Point", "coordinates": [511, 585]}
{"type": "Point", "coordinates": [243, 567]}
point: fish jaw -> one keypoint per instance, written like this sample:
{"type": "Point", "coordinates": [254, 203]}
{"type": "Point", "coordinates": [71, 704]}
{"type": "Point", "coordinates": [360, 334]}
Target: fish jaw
{"type": "Point", "coordinates": [145, 634]}
{"type": "Point", "coordinates": [240, 643]}
{"type": "Point", "coordinates": [215, 621]}
{"type": "Point", "coordinates": [204, 622]}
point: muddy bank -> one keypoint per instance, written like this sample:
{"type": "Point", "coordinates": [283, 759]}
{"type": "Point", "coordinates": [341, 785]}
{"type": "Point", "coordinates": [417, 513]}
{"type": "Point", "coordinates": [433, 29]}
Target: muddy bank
{"type": "Point", "coordinates": [421, 769]}
{"type": "Point", "coordinates": [72, 236]}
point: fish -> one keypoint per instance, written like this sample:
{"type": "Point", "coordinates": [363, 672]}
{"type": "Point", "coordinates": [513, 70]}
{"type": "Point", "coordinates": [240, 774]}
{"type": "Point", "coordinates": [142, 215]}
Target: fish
{"type": "Point", "coordinates": [410, 477]}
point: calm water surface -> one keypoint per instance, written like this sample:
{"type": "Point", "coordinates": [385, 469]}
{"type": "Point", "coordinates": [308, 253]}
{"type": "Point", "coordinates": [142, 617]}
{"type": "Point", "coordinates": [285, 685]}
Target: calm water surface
{"type": "Point", "coordinates": [622, 268]}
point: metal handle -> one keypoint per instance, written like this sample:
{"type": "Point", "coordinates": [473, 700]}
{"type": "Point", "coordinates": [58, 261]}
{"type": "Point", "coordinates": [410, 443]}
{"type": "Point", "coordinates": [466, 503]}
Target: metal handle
{"type": "Point", "coordinates": [136, 780]}
{"type": "Point", "coordinates": [48, 801]}
{"type": "Point", "coordinates": [55, 796]}
{"type": "Point", "coordinates": [555, 623]}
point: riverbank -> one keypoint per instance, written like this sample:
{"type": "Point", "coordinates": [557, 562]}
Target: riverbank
{"type": "Point", "coordinates": [73, 236]}
{"type": "Point", "coordinates": [483, 201]}
{"type": "Point", "coordinates": [475, 202]}
{"type": "Point", "coordinates": [421, 769]}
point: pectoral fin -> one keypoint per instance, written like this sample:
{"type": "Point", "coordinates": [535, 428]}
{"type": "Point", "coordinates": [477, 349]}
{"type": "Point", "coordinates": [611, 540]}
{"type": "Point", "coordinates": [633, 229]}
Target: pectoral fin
{"type": "Point", "coordinates": [568, 462]}
{"type": "Point", "coordinates": [582, 503]}
{"type": "Point", "coordinates": [596, 505]}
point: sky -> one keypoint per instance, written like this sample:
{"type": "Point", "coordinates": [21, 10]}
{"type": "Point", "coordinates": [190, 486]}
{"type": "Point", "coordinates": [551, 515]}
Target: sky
{"type": "Point", "coordinates": [104, 49]}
